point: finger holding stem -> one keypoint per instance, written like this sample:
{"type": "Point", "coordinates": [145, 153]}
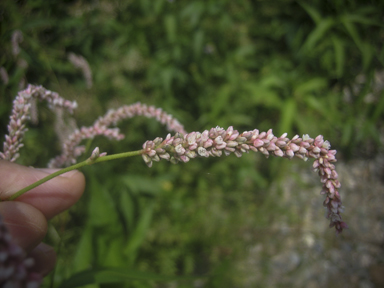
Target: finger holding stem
{"type": "Point", "coordinates": [96, 157]}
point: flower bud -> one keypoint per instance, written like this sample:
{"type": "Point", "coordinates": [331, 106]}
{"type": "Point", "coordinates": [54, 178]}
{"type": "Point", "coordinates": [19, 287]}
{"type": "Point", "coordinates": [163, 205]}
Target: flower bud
{"type": "Point", "coordinates": [191, 154]}
{"type": "Point", "coordinates": [232, 144]}
{"type": "Point", "coordinates": [95, 154]}
{"type": "Point", "coordinates": [147, 160]}
{"type": "Point", "coordinates": [258, 143]}
{"type": "Point", "coordinates": [202, 152]}
{"type": "Point", "coordinates": [238, 153]}
{"type": "Point", "coordinates": [165, 156]}
{"type": "Point", "coordinates": [179, 149]}
{"type": "Point", "coordinates": [278, 152]}
{"type": "Point", "coordinates": [290, 153]}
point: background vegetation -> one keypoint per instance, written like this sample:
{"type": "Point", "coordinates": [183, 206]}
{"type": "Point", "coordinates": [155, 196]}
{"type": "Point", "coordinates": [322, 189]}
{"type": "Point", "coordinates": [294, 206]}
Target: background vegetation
{"type": "Point", "coordinates": [294, 66]}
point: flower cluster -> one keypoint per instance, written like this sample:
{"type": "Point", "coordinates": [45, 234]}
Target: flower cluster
{"type": "Point", "coordinates": [14, 266]}
{"type": "Point", "coordinates": [218, 141]}
{"type": "Point", "coordinates": [21, 113]}
{"type": "Point", "coordinates": [71, 148]}
{"type": "Point", "coordinates": [181, 147]}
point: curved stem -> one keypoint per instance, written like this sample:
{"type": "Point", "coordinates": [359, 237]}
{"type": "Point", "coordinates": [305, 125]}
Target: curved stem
{"type": "Point", "coordinates": [73, 167]}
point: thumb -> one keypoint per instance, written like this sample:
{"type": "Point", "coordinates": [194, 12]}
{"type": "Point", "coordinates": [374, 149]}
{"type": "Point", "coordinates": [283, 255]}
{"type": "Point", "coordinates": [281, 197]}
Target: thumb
{"type": "Point", "coordinates": [51, 198]}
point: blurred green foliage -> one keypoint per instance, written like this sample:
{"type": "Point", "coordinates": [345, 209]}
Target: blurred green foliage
{"type": "Point", "coordinates": [306, 67]}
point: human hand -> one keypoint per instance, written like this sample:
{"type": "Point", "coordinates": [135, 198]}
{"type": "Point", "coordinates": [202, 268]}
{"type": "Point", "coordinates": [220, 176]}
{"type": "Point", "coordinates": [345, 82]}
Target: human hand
{"type": "Point", "coordinates": [26, 217]}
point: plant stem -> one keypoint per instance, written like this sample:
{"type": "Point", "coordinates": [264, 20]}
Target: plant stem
{"type": "Point", "coordinates": [73, 167]}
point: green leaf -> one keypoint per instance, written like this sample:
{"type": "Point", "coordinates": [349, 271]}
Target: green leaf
{"type": "Point", "coordinates": [361, 19]}
{"type": "Point", "coordinates": [223, 97]}
{"type": "Point", "coordinates": [121, 274]}
{"type": "Point", "coordinates": [170, 28]}
{"type": "Point", "coordinates": [316, 105]}
{"type": "Point", "coordinates": [80, 279]}
{"type": "Point", "coordinates": [32, 25]}
{"type": "Point", "coordinates": [115, 275]}
{"type": "Point", "coordinates": [127, 208]}
{"type": "Point", "coordinates": [288, 115]}
{"type": "Point", "coordinates": [138, 235]}
{"type": "Point", "coordinates": [347, 133]}
{"type": "Point", "coordinates": [379, 110]}
{"type": "Point", "coordinates": [198, 42]}
{"type": "Point", "coordinates": [317, 34]}
{"type": "Point", "coordinates": [263, 96]}
{"type": "Point", "coordinates": [193, 12]}
{"type": "Point", "coordinates": [272, 81]}
{"type": "Point", "coordinates": [167, 76]}
{"type": "Point", "coordinates": [311, 85]}
{"type": "Point", "coordinates": [113, 256]}
{"type": "Point", "coordinates": [139, 184]}
{"type": "Point", "coordinates": [339, 56]}
{"type": "Point", "coordinates": [313, 13]}
{"type": "Point", "coordinates": [351, 30]}
{"type": "Point", "coordinates": [84, 252]}
{"type": "Point", "coordinates": [367, 52]}
{"type": "Point", "coordinates": [101, 207]}
{"type": "Point", "coordinates": [365, 48]}
{"type": "Point", "coordinates": [158, 6]}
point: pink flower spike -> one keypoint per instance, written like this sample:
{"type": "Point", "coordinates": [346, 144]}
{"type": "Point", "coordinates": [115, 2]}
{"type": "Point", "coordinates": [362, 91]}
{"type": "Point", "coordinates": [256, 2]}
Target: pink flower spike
{"type": "Point", "coordinates": [182, 147]}
{"type": "Point", "coordinates": [102, 127]}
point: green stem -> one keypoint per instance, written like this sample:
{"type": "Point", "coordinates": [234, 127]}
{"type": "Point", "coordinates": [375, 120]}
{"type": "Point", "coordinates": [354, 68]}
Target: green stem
{"type": "Point", "coordinates": [73, 167]}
